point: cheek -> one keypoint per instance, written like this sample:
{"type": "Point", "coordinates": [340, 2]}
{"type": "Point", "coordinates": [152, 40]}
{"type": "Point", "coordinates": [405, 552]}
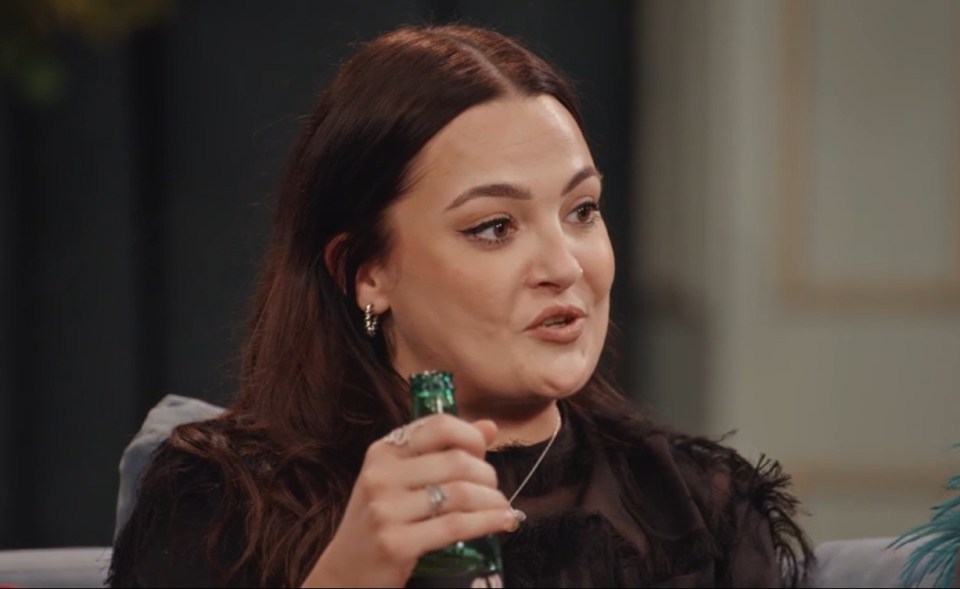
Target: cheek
{"type": "Point", "coordinates": [457, 286]}
{"type": "Point", "coordinates": [599, 266]}
{"type": "Point", "coordinates": [483, 289]}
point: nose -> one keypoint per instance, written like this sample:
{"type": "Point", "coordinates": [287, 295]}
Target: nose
{"type": "Point", "coordinates": [555, 264]}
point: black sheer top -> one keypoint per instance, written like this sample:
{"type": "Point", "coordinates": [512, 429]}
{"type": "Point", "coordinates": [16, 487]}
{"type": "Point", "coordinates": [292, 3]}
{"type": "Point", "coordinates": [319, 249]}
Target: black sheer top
{"type": "Point", "coordinates": [616, 502]}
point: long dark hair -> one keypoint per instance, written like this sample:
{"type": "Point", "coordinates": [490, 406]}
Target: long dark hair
{"type": "Point", "coordinates": [315, 390]}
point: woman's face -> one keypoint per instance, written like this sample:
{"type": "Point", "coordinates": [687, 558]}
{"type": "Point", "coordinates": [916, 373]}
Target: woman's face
{"type": "Point", "coordinates": [500, 267]}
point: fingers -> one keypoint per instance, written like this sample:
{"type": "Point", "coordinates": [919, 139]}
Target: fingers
{"type": "Point", "coordinates": [402, 543]}
{"type": "Point", "coordinates": [421, 487]}
{"type": "Point", "coordinates": [463, 496]}
{"type": "Point", "coordinates": [387, 477]}
{"type": "Point", "coordinates": [488, 428]}
{"type": "Point", "coordinates": [452, 450]}
{"type": "Point", "coordinates": [443, 467]}
{"type": "Point", "coordinates": [417, 505]}
{"type": "Point", "coordinates": [435, 433]}
{"type": "Point", "coordinates": [437, 532]}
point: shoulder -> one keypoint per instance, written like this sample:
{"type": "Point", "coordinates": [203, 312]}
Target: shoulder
{"type": "Point", "coordinates": [695, 482]}
{"type": "Point", "coordinates": [744, 502]}
{"type": "Point", "coordinates": [167, 539]}
{"type": "Point", "coordinates": [211, 466]}
{"type": "Point", "coordinates": [714, 475]}
{"type": "Point", "coordinates": [176, 473]}
{"type": "Point", "coordinates": [746, 507]}
{"type": "Point", "coordinates": [723, 476]}
{"type": "Point", "coordinates": [179, 493]}
{"type": "Point", "coordinates": [711, 470]}
{"type": "Point", "coordinates": [204, 458]}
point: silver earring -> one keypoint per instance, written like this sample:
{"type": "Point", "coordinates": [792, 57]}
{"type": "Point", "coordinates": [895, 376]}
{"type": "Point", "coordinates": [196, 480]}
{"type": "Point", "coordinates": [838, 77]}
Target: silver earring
{"type": "Point", "coordinates": [370, 320]}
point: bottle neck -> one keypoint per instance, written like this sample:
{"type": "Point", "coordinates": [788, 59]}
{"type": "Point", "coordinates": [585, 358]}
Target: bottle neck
{"type": "Point", "coordinates": [432, 402]}
{"type": "Point", "coordinates": [431, 393]}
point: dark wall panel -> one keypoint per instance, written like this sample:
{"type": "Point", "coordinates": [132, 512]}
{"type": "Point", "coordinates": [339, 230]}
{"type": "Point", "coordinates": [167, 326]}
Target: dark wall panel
{"type": "Point", "coordinates": [235, 87]}
{"type": "Point", "coordinates": [7, 243]}
{"type": "Point", "coordinates": [85, 303]}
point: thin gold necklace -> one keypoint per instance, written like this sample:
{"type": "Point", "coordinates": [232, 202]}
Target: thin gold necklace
{"type": "Point", "coordinates": [519, 515]}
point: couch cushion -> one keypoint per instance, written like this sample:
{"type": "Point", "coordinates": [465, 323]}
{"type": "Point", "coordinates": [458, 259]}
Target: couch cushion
{"type": "Point", "coordinates": [171, 411]}
{"type": "Point", "coordinates": [55, 567]}
{"type": "Point", "coordinates": [861, 562]}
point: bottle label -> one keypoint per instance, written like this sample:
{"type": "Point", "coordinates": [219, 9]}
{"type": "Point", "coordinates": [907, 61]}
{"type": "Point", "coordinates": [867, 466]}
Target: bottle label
{"type": "Point", "coordinates": [471, 580]}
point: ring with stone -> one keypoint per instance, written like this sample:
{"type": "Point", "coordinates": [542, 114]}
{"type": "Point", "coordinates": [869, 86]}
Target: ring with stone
{"type": "Point", "coordinates": [437, 499]}
{"type": "Point", "coordinates": [398, 437]}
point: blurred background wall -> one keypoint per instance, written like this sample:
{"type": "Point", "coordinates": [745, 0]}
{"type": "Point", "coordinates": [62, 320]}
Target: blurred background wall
{"type": "Point", "coordinates": [781, 184]}
{"type": "Point", "coordinates": [798, 210]}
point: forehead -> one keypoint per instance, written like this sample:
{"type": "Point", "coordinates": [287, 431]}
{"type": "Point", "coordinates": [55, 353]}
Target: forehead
{"type": "Point", "coordinates": [509, 139]}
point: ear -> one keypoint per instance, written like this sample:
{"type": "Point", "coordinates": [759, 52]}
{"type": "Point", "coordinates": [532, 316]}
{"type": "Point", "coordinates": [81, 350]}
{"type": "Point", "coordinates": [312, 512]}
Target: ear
{"type": "Point", "coordinates": [373, 286]}
{"type": "Point", "coordinates": [372, 279]}
{"type": "Point", "coordinates": [332, 263]}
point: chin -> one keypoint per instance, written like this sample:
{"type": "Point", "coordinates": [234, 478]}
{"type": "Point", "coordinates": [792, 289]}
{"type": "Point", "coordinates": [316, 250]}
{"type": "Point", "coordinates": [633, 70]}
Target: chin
{"type": "Point", "coordinates": [563, 375]}
{"type": "Point", "coordinates": [560, 384]}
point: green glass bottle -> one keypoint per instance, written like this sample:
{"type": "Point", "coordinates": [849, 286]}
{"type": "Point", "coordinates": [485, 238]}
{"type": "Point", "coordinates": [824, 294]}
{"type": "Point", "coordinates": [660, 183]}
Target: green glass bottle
{"type": "Point", "coordinates": [470, 563]}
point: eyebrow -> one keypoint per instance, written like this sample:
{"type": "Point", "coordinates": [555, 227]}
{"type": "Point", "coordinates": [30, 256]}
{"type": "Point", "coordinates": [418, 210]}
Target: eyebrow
{"type": "Point", "coordinates": [506, 190]}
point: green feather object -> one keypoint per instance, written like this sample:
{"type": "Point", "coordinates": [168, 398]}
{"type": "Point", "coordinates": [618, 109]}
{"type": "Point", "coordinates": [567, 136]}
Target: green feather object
{"type": "Point", "coordinates": [936, 557]}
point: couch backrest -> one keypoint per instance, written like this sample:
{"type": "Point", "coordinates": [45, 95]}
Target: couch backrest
{"type": "Point", "coordinates": [171, 411]}
{"type": "Point", "coordinates": [861, 562]}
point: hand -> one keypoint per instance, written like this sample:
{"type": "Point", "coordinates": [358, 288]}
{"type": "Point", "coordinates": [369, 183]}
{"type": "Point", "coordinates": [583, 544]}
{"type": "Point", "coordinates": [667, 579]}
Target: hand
{"type": "Point", "coordinates": [390, 519]}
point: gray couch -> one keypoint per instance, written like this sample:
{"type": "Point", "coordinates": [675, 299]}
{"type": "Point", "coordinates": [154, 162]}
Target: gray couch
{"type": "Point", "coordinates": [864, 562]}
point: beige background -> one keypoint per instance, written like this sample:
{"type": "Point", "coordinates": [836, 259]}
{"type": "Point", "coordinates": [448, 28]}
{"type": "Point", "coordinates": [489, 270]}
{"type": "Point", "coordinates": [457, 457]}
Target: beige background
{"type": "Point", "coordinates": [800, 242]}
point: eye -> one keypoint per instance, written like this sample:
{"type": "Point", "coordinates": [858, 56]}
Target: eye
{"type": "Point", "coordinates": [586, 213]}
{"type": "Point", "coordinates": [492, 232]}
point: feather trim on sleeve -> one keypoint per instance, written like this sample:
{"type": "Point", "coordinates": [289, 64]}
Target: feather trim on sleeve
{"type": "Point", "coordinates": [739, 489]}
{"type": "Point", "coordinates": [767, 493]}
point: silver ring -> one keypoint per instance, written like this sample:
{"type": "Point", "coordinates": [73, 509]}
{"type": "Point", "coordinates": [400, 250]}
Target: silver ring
{"type": "Point", "coordinates": [437, 499]}
{"type": "Point", "coordinates": [398, 437]}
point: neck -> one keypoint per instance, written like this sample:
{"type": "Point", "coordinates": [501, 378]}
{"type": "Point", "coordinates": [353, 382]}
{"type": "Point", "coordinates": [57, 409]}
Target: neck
{"type": "Point", "coordinates": [520, 427]}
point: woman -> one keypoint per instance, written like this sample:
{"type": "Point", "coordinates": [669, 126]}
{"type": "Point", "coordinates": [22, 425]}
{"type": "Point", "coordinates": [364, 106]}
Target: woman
{"type": "Point", "coordinates": [441, 212]}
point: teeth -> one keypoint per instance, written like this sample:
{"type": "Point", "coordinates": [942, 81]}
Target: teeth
{"type": "Point", "coordinates": [556, 321]}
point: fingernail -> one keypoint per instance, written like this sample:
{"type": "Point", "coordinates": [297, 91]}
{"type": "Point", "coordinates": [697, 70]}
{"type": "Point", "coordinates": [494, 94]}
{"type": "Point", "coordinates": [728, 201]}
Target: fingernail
{"type": "Point", "coordinates": [511, 523]}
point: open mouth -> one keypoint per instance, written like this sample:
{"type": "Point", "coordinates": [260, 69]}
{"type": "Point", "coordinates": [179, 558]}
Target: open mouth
{"type": "Point", "coordinates": [559, 324]}
{"type": "Point", "coordinates": [557, 317]}
{"type": "Point", "coordinates": [559, 321]}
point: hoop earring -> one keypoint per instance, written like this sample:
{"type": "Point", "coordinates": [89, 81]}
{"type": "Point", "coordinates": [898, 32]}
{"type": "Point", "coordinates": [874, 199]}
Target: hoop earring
{"type": "Point", "coordinates": [370, 320]}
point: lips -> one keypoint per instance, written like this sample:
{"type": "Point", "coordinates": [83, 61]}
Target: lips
{"type": "Point", "coordinates": [557, 316]}
{"type": "Point", "coordinates": [558, 324]}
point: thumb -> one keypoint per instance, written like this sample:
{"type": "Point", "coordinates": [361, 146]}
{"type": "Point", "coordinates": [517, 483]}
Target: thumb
{"type": "Point", "coordinates": [488, 428]}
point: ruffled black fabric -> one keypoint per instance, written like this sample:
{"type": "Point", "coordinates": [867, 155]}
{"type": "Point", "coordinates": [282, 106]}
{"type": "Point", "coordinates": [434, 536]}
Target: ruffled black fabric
{"type": "Point", "coordinates": [617, 502]}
